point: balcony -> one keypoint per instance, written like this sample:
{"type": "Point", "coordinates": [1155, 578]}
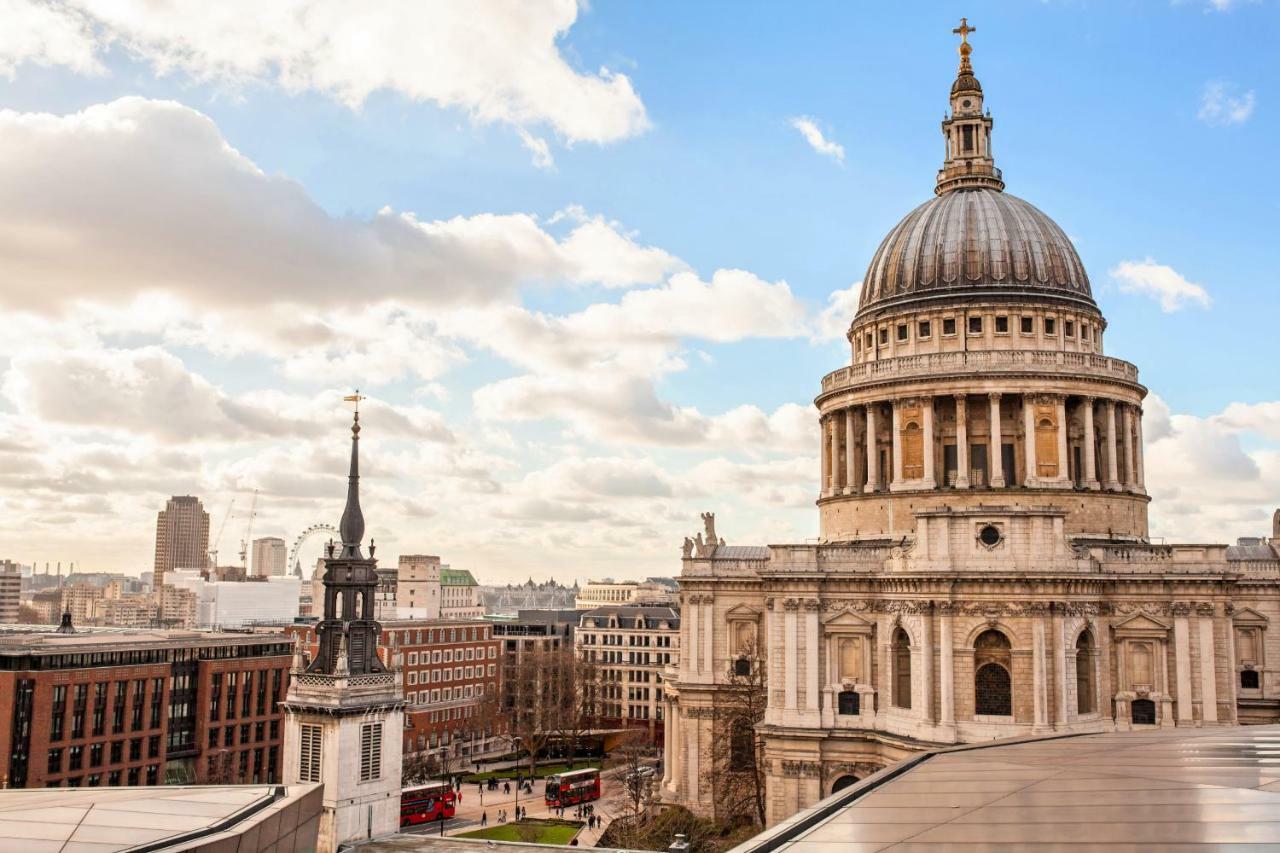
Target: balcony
{"type": "Point", "coordinates": [1080, 364]}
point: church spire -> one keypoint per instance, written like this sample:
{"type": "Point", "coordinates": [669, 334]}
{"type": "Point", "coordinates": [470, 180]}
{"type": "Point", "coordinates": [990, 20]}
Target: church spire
{"type": "Point", "coordinates": [969, 163]}
{"type": "Point", "coordinates": [351, 527]}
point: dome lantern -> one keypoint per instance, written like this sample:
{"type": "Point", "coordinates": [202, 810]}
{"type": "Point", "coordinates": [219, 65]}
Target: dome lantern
{"type": "Point", "coordinates": [969, 163]}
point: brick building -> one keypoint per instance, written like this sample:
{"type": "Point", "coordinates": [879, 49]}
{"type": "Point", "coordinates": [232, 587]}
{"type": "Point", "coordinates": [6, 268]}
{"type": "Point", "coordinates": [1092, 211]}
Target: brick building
{"type": "Point", "coordinates": [108, 707]}
{"type": "Point", "coordinates": [451, 669]}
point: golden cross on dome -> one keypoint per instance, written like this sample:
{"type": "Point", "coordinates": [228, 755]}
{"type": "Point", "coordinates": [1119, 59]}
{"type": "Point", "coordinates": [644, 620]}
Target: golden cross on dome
{"type": "Point", "coordinates": [963, 30]}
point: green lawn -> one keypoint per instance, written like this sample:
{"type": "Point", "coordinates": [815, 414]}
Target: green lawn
{"type": "Point", "coordinates": [531, 831]}
{"type": "Point", "coordinates": [543, 770]}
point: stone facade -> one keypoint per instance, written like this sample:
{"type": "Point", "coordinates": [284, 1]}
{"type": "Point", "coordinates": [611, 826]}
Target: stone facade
{"type": "Point", "coordinates": [984, 568]}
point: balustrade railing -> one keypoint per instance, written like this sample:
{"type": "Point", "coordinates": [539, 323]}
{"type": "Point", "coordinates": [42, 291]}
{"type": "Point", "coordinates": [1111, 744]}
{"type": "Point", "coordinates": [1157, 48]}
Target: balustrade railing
{"type": "Point", "coordinates": [984, 360]}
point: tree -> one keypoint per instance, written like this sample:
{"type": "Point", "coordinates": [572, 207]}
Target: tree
{"type": "Point", "coordinates": [637, 787]}
{"type": "Point", "coordinates": [737, 747]}
{"type": "Point", "coordinates": [534, 698]}
{"type": "Point", "coordinates": [220, 768]}
{"type": "Point", "coordinates": [578, 694]}
{"type": "Point", "coordinates": [416, 768]}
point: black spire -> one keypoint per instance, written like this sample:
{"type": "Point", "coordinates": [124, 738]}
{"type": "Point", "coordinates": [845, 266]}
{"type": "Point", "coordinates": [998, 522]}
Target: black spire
{"type": "Point", "coordinates": [351, 528]}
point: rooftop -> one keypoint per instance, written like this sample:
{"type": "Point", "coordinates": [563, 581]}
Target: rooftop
{"type": "Point", "coordinates": [44, 639]}
{"type": "Point", "coordinates": [1171, 789]}
{"type": "Point", "coordinates": [456, 577]}
{"type": "Point", "coordinates": [166, 818]}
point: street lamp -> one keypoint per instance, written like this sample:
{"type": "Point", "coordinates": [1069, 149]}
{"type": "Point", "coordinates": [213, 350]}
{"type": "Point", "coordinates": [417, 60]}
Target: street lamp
{"type": "Point", "coordinates": [515, 741]}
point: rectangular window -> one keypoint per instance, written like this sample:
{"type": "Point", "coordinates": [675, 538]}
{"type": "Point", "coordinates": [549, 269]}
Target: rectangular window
{"type": "Point", "coordinates": [1050, 326]}
{"type": "Point", "coordinates": [975, 325]}
{"type": "Point", "coordinates": [1002, 325]}
{"type": "Point", "coordinates": [135, 749]}
{"type": "Point", "coordinates": [1084, 331]}
{"type": "Point", "coordinates": [884, 337]}
{"type": "Point", "coordinates": [370, 752]}
{"type": "Point", "coordinates": [902, 331]}
{"type": "Point", "coordinates": [949, 326]}
{"type": "Point", "coordinates": [923, 331]}
{"type": "Point", "coordinates": [309, 757]}
{"type": "Point", "coordinates": [95, 755]}
{"type": "Point", "coordinates": [55, 761]}
{"type": "Point", "coordinates": [1069, 328]}
{"type": "Point", "coordinates": [1027, 325]}
{"type": "Point", "coordinates": [870, 341]}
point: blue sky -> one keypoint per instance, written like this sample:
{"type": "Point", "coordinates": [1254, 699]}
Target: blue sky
{"type": "Point", "coordinates": [1145, 129]}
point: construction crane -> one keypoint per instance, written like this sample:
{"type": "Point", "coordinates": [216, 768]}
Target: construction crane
{"type": "Point", "coordinates": [248, 532]}
{"type": "Point", "coordinates": [213, 552]}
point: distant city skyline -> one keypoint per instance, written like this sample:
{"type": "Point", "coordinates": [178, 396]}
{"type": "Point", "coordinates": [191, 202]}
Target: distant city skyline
{"type": "Point", "coordinates": [587, 267]}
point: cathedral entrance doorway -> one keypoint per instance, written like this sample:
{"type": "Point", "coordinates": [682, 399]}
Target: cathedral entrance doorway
{"type": "Point", "coordinates": [1144, 712]}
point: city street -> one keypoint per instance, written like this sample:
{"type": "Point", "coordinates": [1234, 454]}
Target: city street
{"type": "Point", "coordinates": [473, 805]}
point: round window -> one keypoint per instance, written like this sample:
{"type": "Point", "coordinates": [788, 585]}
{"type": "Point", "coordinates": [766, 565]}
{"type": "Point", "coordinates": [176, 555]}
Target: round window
{"type": "Point", "coordinates": [966, 103]}
{"type": "Point", "coordinates": [989, 536]}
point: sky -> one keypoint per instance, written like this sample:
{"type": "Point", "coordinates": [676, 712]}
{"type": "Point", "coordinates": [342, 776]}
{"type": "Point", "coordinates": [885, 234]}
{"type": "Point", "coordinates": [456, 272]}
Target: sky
{"type": "Point", "coordinates": [587, 262]}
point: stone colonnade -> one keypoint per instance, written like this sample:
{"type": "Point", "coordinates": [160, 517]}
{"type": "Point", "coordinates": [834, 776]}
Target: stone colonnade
{"type": "Point", "coordinates": [1107, 435]}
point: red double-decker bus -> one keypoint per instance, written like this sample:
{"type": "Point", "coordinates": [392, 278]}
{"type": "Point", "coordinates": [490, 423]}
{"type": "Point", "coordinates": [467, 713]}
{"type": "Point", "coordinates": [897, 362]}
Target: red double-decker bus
{"type": "Point", "coordinates": [576, 786]}
{"type": "Point", "coordinates": [423, 803]}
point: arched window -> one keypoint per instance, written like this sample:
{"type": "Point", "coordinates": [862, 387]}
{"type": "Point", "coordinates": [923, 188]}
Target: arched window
{"type": "Point", "coordinates": [992, 680]}
{"type": "Point", "coordinates": [1143, 712]}
{"type": "Point", "coordinates": [847, 703]}
{"type": "Point", "coordinates": [1086, 689]}
{"type": "Point", "coordinates": [843, 782]}
{"type": "Point", "coordinates": [901, 669]}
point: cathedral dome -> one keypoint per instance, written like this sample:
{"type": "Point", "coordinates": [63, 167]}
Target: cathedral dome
{"type": "Point", "coordinates": [972, 242]}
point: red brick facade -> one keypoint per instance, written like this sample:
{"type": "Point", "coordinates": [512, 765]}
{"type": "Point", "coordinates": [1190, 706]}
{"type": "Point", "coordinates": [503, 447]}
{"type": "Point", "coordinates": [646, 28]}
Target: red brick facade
{"type": "Point", "coordinates": [137, 709]}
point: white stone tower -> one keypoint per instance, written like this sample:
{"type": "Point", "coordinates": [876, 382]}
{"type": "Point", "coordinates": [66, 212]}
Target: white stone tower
{"type": "Point", "coordinates": [344, 716]}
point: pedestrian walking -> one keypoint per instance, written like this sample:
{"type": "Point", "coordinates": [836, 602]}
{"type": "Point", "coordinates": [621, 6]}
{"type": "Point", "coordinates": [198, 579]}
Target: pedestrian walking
{"type": "Point", "coordinates": [484, 818]}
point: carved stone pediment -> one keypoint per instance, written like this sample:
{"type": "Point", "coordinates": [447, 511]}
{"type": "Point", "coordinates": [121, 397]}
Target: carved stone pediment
{"type": "Point", "coordinates": [1141, 625]}
{"type": "Point", "coordinates": [1249, 616]}
{"type": "Point", "coordinates": [742, 613]}
{"type": "Point", "coordinates": [847, 622]}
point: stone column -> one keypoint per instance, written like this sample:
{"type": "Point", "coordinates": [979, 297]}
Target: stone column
{"type": "Point", "coordinates": [897, 445]}
{"type": "Point", "coordinates": [668, 732]}
{"type": "Point", "coordinates": [708, 635]}
{"type": "Point", "coordinates": [824, 443]}
{"type": "Point", "coordinates": [692, 752]}
{"type": "Point", "coordinates": [692, 661]}
{"type": "Point", "coordinates": [1090, 448]}
{"type": "Point", "coordinates": [962, 442]}
{"type": "Point", "coordinates": [1182, 661]}
{"type": "Point", "coordinates": [1140, 453]}
{"type": "Point", "coordinates": [1059, 669]}
{"type": "Point", "coordinates": [789, 685]}
{"type": "Point", "coordinates": [946, 660]}
{"type": "Point", "coordinates": [1208, 670]}
{"type": "Point", "coordinates": [1039, 674]}
{"type": "Point", "coordinates": [850, 453]}
{"type": "Point", "coordinates": [835, 453]}
{"type": "Point", "coordinates": [930, 471]}
{"type": "Point", "coordinates": [926, 665]}
{"type": "Point", "coordinates": [811, 656]}
{"type": "Point", "coordinates": [1064, 467]}
{"type": "Point", "coordinates": [873, 457]}
{"type": "Point", "coordinates": [1113, 466]}
{"type": "Point", "coordinates": [1130, 479]}
{"type": "Point", "coordinates": [996, 452]}
{"type": "Point", "coordinates": [1029, 440]}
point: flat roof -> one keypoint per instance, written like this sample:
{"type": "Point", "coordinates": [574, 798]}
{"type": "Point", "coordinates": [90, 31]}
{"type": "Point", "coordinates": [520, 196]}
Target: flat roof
{"type": "Point", "coordinates": [1167, 789]}
{"type": "Point", "coordinates": [41, 639]}
{"type": "Point", "coordinates": [161, 818]}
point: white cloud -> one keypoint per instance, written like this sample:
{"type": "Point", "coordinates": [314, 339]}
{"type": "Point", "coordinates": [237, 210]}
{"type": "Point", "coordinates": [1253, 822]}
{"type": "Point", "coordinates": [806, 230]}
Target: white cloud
{"type": "Point", "coordinates": [45, 34]}
{"type": "Point", "coordinates": [1205, 484]}
{"type": "Point", "coordinates": [817, 141]}
{"type": "Point", "coordinates": [1222, 104]}
{"type": "Point", "coordinates": [1160, 282]}
{"type": "Point", "coordinates": [834, 321]}
{"type": "Point", "coordinates": [537, 146]}
{"type": "Point", "coordinates": [498, 61]}
{"type": "Point", "coordinates": [139, 195]}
